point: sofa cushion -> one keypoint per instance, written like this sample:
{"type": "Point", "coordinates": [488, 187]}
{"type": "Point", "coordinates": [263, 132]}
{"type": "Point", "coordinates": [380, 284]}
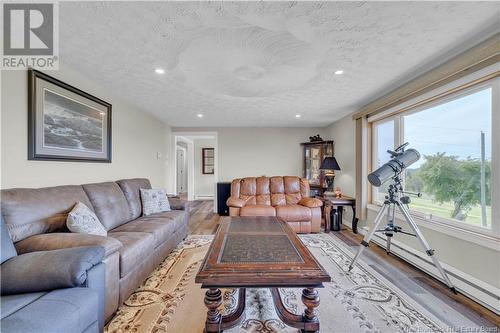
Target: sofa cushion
{"type": "Point", "coordinates": [248, 190]}
{"type": "Point", "coordinates": [83, 220]}
{"type": "Point", "coordinates": [292, 190]}
{"type": "Point", "coordinates": [310, 202]}
{"type": "Point", "coordinates": [8, 250]}
{"type": "Point", "coordinates": [136, 247]}
{"type": "Point", "coordinates": [262, 193]}
{"type": "Point", "coordinates": [60, 311]}
{"type": "Point", "coordinates": [178, 204]}
{"type": "Point", "coordinates": [55, 241]}
{"type": "Point", "coordinates": [29, 212]}
{"type": "Point", "coordinates": [154, 201]}
{"type": "Point", "coordinates": [49, 270]}
{"type": "Point", "coordinates": [130, 188]}
{"type": "Point", "coordinates": [110, 204]}
{"type": "Point", "coordinates": [277, 187]}
{"type": "Point", "coordinates": [305, 190]}
{"type": "Point", "coordinates": [257, 210]}
{"type": "Point", "coordinates": [235, 202]}
{"type": "Point", "coordinates": [161, 225]}
{"type": "Point", "coordinates": [13, 303]}
{"type": "Point", "coordinates": [294, 213]}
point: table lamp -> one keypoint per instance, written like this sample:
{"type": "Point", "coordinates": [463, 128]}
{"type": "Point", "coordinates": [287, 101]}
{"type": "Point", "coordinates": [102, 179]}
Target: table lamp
{"type": "Point", "coordinates": [329, 164]}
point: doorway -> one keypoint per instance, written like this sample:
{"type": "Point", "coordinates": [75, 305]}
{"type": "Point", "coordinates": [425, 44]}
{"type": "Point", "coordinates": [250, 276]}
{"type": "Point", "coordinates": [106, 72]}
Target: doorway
{"type": "Point", "coordinates": [182, 178]}
{"type": "Point", "coordinates": [193, 178]}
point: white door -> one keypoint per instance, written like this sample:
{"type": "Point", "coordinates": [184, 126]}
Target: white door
{"type": "Point", "coordinates": [181, 171]}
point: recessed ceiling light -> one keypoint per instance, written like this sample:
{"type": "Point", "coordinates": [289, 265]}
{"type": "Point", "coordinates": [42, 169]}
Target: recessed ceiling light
{"type": "Point", "coordinates": [199, 115]}
{"type": "Point", "coordinates": [298, 116]}
{"type": "Point", "coordinates": [339, 72]}
{"type": "Point", "coordinates": [159, 71]}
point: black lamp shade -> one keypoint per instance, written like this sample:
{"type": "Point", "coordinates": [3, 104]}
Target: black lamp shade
{"type": "Point", "coordinates": [329, 163]}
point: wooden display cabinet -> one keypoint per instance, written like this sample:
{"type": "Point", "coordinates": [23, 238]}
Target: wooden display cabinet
{"type": "Point", "coordinates": [313, 154]}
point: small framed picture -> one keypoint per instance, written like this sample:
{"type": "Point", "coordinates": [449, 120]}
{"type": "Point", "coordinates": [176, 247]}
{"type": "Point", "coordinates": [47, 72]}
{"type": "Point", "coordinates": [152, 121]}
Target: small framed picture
{"type": "Point", "coordinates": [65, 123]}
{"type": "Point", "coordinates": [207, 157]}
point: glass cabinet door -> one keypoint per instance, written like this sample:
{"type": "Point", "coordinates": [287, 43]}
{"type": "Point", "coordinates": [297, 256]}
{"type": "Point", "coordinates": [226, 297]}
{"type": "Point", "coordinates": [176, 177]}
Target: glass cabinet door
{"type": "Point", "coordinates": [312, 164]}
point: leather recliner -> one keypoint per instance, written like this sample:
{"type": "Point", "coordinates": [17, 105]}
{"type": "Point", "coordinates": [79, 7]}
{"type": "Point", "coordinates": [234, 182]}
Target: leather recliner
{"type": "Point", "coordinates": [286, 197]}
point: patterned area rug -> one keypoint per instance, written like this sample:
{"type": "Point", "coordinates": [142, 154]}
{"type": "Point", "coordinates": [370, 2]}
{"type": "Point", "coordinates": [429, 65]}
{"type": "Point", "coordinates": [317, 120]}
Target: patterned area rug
{"type": "Point", "coordinates": [359, 301]}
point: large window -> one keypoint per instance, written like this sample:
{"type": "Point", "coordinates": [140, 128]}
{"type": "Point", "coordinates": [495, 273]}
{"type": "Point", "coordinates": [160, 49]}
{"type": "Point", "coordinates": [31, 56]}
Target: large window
{"type": "Point", "coordinates": [385, 140]}
{"type": "Point", "coordinates": [454, 138]}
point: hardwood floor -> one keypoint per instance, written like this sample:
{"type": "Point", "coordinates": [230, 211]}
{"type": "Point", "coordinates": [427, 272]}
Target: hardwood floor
{"type": "Point", "coordinates": [202, 219]}
{"type": "Point", "coordinates": [429, 292]}
{"type": "Point", "coordinates": [422, 287]}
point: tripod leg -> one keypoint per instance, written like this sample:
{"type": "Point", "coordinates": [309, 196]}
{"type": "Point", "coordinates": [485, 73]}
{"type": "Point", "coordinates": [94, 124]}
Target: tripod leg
{"type": "Point", "coordinates": [388, 248]}
{"type": "Point", "coordinates": [390, 219]}
{"type": "Point", "coordinates": [428, 250]}
{"type": "Point", "coordinates": [369, 235]}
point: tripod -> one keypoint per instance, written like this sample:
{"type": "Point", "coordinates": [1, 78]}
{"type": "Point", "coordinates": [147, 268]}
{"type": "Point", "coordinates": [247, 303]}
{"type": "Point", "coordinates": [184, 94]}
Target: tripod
{"type": "Point", "coordinates": [396, 198]}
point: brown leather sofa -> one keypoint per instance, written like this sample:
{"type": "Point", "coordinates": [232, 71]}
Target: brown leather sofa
{"type": "Point", "coordinates": [286, 197]}
{"type": "Point", "coordinates": [134, 247]}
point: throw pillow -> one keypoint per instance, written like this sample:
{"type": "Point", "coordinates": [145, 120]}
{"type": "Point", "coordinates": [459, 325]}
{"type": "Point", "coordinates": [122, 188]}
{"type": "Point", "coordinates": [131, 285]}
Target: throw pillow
{"type": "Point", "coordinates": [83, 220]}
{"type": "Point", "coordinates": [154, 201]}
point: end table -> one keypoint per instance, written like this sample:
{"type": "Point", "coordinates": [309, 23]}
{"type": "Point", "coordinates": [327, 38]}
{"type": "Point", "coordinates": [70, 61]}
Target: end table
{"type": "Point", "coordinates": [335, 206]}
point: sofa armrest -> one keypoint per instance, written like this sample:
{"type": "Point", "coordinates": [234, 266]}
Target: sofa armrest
{"type": "Point", "coordinates": [96, 280]}
{"type": "Point", "coordinates": [178, 204]}
{"type": "Point", "coordinates": [64, 240]}
{"type": "Point", "coordinates": [235, 202]}
{"type": "Point", "coordinates": [311, 202]}
{"type": "Point", "coordinates": [49, 270]}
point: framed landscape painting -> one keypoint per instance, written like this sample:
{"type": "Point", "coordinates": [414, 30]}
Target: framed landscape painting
{"type": "Point", "coordinates": [65, 123]}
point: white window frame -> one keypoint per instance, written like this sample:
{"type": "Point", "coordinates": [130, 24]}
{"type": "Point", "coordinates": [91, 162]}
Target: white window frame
{"type": "Point", "coordinates": [398, 117]}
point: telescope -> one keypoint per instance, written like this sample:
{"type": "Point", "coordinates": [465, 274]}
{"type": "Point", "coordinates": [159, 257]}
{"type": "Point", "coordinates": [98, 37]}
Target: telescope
{"type": "Point", "coordinates": [396, 197]}
{"type": "Point", "coordinates": [400, 159]}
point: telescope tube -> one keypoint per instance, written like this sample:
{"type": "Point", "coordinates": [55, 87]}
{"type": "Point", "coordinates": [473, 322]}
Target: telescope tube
{"type": "Point", "coordinates": [394, 167]}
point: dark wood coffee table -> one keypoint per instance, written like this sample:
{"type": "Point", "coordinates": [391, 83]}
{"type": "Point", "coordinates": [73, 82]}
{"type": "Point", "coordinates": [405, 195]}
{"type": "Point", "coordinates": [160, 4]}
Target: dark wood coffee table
{"type": "Point", "coordinates": [249, 252]}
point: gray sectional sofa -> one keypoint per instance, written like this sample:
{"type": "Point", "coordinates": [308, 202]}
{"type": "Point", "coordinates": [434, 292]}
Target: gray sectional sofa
{"type": "Point", "coordinates": [135, 245]}
{"type": "Point", "coordinates": [55, 291]}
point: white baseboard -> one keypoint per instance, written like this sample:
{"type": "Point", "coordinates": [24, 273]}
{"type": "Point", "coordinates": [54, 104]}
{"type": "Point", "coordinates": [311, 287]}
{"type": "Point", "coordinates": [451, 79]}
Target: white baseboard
{"type": "Point", "coordinates": [480, 291]}
{"type": "Point", "coordinates": [203, 197]}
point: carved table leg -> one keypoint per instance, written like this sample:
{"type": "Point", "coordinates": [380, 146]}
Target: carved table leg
{"type": "Point", "coordinates": [310, 298]}
{"type": "Point", "coordinates": [213, 299]}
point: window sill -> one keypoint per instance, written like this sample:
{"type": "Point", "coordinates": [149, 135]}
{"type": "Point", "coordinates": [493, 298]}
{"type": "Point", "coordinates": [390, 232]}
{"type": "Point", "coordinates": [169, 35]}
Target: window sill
{"type": "Point", "coordinates": [449, 229]}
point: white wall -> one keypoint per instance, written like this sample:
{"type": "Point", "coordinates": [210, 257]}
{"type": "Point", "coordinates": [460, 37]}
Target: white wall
{"type": "Point", "coordinates": [344, 134]}
{"type": "Point", "coordinates": [136, 139]}
{"type": "Point", "coordinates": [246, 152]}
{"type": "Point", "coordinates": [204, 185]}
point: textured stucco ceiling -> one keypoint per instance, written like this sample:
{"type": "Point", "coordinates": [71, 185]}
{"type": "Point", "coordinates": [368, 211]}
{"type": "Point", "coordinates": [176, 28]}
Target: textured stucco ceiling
{"type": "Point", "coordinates": [260, 63]}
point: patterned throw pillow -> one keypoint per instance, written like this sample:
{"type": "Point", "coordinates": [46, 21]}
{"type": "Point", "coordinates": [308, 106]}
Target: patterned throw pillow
{"type": "Point", "coordinates": [83, 220]}
{"type": "Point", "coordinates": [154, 201]}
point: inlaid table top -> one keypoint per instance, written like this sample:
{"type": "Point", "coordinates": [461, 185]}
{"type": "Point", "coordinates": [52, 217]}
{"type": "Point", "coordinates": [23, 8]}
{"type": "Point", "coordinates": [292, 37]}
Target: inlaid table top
{"type": "Point", "coordinates": [259, 251]}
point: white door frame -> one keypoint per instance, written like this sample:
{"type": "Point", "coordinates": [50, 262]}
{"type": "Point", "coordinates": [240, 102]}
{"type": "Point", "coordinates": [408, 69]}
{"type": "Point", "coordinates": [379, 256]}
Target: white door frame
{"type": "Point", "coordinates": [183, 136]}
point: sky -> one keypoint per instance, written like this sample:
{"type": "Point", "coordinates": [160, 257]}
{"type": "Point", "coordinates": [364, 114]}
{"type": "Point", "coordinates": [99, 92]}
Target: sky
{"type": "Point", "coordinates": [453, 127]}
